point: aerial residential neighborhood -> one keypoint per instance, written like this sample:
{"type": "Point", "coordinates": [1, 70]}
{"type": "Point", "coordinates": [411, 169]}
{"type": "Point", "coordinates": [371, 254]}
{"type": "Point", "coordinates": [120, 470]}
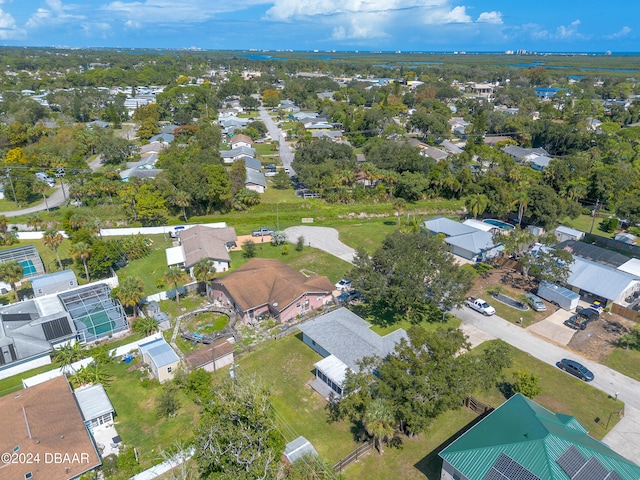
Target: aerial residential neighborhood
{"type": "Point", "coordinates": [339, 265]}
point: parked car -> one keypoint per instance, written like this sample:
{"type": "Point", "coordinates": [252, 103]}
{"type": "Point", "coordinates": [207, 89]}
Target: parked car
{"type": "Point", "coordinates": [536, 302]}
{"type": "Point", "coordinates": [576, 369]}
{"type": "Point", "coordinates": [263, 232]}
{"type": "Point", "coordinates": [343, 285]}
{"type": "Point", "coordinates": [588, 313]}
{"type": "Point", "coordinates": [46, 178]}
{"type": "Point", "coordinates": [349, 296]}
{"type": "Point", "coordinates": [582, 318]}
{"type": "Point", "coordinates": [176, 231]}
{"type": "Point", "coordinates": [480, 305]}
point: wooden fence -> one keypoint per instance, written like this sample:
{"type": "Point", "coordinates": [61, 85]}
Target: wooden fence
{"type": "Point", "coordinates": [625, 312]}
{"type": "Point", "coordinates": [477, 406]}
{"type": "Point", "coordinates": [354, 456]}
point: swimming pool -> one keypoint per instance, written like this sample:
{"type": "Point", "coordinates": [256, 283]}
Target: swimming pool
{"type": "Point", "coordinates": [499, 224]}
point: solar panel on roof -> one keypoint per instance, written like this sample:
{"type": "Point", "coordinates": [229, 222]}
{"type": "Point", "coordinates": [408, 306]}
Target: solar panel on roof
{"type": "Point", "coordinates": [592, 470]}
{"type": "Point", "coordinates": [571, 461]}
{"type": "Point", "coordinates": [507, 468]}
{"type": "Point", "coordinates": [16, 317]}
{"type": "Point", "coordinates": [56, 328]}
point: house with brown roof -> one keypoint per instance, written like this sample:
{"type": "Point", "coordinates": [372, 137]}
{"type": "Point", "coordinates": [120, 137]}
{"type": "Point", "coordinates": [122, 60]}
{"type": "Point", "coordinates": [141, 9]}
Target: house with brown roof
{"type": "Point", "coordinates": [266, 286]}
{"type": "Point", "coordinates": [200, 242]}
{"type": "Point", "coordinates": [203, 357]}
{"type": "Point", "coordinates": [44, 422]}
{"type": "Point", "coordinates": [241, 140]}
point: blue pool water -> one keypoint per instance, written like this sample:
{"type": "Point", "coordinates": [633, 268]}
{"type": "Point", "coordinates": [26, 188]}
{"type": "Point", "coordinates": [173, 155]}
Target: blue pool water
{"type": "Point", "coordinates": [498, 223]}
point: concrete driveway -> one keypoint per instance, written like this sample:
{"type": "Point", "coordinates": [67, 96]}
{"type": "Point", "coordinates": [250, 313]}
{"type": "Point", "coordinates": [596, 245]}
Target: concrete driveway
{"type": "Point", "coordinates": [323, 238]}
{"type": "Point", "coordinates": [553, 328]}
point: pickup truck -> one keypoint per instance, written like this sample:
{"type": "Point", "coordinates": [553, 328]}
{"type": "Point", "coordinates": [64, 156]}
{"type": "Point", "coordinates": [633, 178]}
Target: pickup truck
{"type": "Point", "coordinates": [263, 232]}
{"type": "Point", "coordinates": [582, 318]}
{"type": "Point", "coordinates": [481, 306]}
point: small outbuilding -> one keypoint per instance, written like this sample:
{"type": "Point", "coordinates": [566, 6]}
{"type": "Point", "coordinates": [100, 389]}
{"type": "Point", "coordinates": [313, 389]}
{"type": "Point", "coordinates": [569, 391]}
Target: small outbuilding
{"type": "Point", "coordinates": [160, 358]}
{"type": "Point", "coordinates": [563, 233]}
{"type": "Point", "coordinates": [297, 449]}
{"type": "Point", "coordinates": [55, 282]}
{"type": "Point", "coordinates": [95, 405]}
{"type": "Point", "coordinates": [203, 357]}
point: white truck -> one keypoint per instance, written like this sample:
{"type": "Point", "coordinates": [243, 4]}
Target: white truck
{"type": "Point", "coordinates": [481, 306]}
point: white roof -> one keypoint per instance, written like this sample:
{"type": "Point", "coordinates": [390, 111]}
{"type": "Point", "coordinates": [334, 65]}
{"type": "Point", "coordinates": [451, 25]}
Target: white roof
{"type": "Point", "coordinates": [333, 368]}
{"type": "Point", "coordinates": [632, 266]}
{"type": "Point", "coordinates": [485, 227]}
{"type": "Point", "coordinates": [93, 401]}
{"type": "Point", "coordinates": [175, 255]}
{"type": "Point", "coordinates": [570, 231]}
{"type": "Point", "coordinates": [598, 279]}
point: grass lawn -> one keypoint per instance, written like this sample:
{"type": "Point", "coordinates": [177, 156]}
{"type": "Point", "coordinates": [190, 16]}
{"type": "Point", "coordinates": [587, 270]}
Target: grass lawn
{"type": "Point", "coordinates": [310, 259]}
{"type": "Point", "coordinates": [367, 234]}
{"type": "Point", "coordinates": [625, 362]}
{"type": "Point", "coordinates": [136, 420]}
{"type": "Point", "coordinates": [286, 366]}
{"type": "Point", "coordinates": [583, 223]}
{"type": "Point", "coordinates": [11, 384]}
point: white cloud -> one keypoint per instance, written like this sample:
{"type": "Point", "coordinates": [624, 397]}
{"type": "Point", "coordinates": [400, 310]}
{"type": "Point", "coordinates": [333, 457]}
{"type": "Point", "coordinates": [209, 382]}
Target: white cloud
{"type": "Point", "coordinates": [8, 28]}
{"type": "Point", "coordinates": [56, 13]}
{"type": "Point", "coordinates": [133, 24]}
{"type": "Point", "coordinates": [623, 32]}
{"type": "Point", "coordinates": [490, 17]}
{"type": "Point", "coordinates": [358, 28]}
{"type": "Point", "coordinates": [443, 16]}
{"type": "Point", "coordinates": [563, 32]}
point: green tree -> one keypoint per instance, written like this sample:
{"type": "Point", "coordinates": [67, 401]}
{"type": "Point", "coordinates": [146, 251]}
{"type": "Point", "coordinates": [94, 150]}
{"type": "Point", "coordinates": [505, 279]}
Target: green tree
{"type": "Point", "coordinates": [11, 272]}
{"type": "Point", "coordinates": [204, 270]}
{"type": "Point", "coordinates": [174, 276]}
{"type": "Point", "coordinates": [408, 270]}
{"type": "Point", "coordinates": [68, 354]}
{"type": "Point", "coordinates": [129, 292]}
{"type": "Point", "coordinates": [281, 181]}
{"type": "Point", "coordinates": [300, 244]}
{"type": "Point", "coordinates": [379, 422]}
{"type": "Point", "coordinates": [52, 239]}
{"type": "Point", "coordinates": [549, 265]}
{"type": "Point", "coordinates": [82, 251]}
{"type": "Point", "coordinates": [526, 384]}
{"type": "Point", "coordinates": [236, 436]}
{"type": "Point", "coordinates": [182, 199]}
{"type": "Point", "coordinates": [145, 325]}
{"type": "Point", "coordinates": [476, 204]}
{"type": "Point", "coordinates": [248, 249]}
{"type": "Point", "coordinates": [167, 403]}
{"type": "Point", "coordinates": [40, 187]}
{"type": "Point", "coordinates": [34, 221]}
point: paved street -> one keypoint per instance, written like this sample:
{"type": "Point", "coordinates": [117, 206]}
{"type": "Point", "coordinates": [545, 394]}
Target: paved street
{"type": "Point", "coordinates": [286, 156]}
{"type": "Point", "coordinates": [625, 437]}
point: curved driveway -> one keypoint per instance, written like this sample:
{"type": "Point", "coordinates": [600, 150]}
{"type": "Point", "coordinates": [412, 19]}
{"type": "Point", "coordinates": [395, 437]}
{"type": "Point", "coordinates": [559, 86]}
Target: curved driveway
{"type": "Point", "coordinates": [323, 238]}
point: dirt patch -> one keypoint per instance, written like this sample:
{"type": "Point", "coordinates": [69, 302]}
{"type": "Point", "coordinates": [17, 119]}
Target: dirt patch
{"type": "Point", "coordinates": [600, 337]}
{"type": "Point", "coordinates": [244, 238]}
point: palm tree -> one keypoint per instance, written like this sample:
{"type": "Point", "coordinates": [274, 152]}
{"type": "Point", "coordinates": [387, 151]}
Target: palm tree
{"type": "Point", "coordinates": [52, 239]}
{"type": "Point", "coordinates": [41, 187]}
{"type": "Point", "coordinates": [379, 422]}
{"type": "Point", "coordinates": [11, 272]}
{"type": "Point", "coordinates": [173, 276]}
{"type": "Point", "coordinates": [83, 251]}
{"type": "Point", "coordinates": [67, 354]}
{"type": "Point", "coordinates": [203, 271]}
{"type": "Point", "coordinates": [182, 199]}
{"type": "Point", "coordinates": [130, 292]}
{"type": "Point", "coordinates": [34, 221]}
{"type": "Point", "coordinates": [146, 326]}
{"type": "Point", "coordinates": [476, 204]}
{"type": "Point", "coordinates": [92, 373]}
{"type": "Point", "coordinates": [399, 204]}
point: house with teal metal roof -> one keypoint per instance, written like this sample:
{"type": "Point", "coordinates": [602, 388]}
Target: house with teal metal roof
{"type": "Point", "coordinates": [522, 440]}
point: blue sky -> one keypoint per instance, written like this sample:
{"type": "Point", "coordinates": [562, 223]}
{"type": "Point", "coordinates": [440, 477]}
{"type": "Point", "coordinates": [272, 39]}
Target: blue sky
{"type": "Point", "coordinates": [406, 25]}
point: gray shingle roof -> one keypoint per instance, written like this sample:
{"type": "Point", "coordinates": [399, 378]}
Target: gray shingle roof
{"type": "Point", "coordinates": [255, 177]}
{"type": "Point", "coordinates": [348, 337]}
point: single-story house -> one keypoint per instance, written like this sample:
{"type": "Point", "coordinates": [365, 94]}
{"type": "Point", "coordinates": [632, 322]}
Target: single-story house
{"type": "Point", "coordinates": [592, 252]}
{"type": "Point", "coordinates": [433, 152]}
{"type": "Point", "coordinates": [606, 283]}
{"type": "Point", "coordinates": [95, 405]}
{"type": "Point", "coordinates": [524, 155]}
{"type": "Point", "coordinates": [200, 242]}
{"type": "Point", "coordinates": [230, 156]}
{"type": "Point", "coordinates": [264, 286]}
{"type": "Point", "coordinates": [539, 162]}
{"type": "Point", "coordinates": [631, 266]}
{"type": "Point", "coordinates": [563, 233]}
{"type": "Point", "coordinates": [343, 338]}
{"type": "Point", "coordinates": [523, 440]}
{"type": "Point", "coordinates": [466, 241]}
{"type": "Point", "coordinates": [255, 180]}
{"type": "Point", "coordinates": [55, 282]}
{"type": "Point", "coordinates": [241, 140]}
{"type": "Point", "coordinates": [203, 357]}
{"type": "Point", "coordinates": [252, 163]}
{"type": "Point", "coordinates": [333, 135]}
{"type": "Point", "coordinates": [163, 138]}
{"type": "Point", "coordinates": [40, 420]}
{"type": "Point", "coordinates": [160, 358]}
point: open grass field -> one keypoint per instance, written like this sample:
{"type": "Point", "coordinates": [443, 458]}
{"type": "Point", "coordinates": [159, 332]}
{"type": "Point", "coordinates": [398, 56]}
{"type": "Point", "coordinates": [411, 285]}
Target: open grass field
{"type": "Point", "coordinates": [625, 362]}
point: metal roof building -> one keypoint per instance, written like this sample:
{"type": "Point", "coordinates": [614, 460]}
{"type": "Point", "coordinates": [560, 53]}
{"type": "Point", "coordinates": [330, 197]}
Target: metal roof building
{"type": "Point", "coordinates": [94, 404]}
{"type": "Point", "coordinates": [523, 440]}
{"type": "Point", "coordinates": [55, 282]}
{"type": "Point", "coordinates": [602, 281]}
{"type": "Point", "coordinates": [160, 357]}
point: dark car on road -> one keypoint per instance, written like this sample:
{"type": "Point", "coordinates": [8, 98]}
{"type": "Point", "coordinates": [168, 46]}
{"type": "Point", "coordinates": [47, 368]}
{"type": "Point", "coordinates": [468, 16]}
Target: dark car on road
{"type": "Point", "coordinates": [576, 369]}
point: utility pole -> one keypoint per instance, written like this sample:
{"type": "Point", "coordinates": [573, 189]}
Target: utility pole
{"type": "Point", "coordinates": [593, 215]}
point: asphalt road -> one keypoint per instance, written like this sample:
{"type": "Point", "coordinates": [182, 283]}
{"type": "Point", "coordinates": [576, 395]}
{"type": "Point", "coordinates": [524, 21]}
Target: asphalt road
{"type": "Point", "coordinates": [625, 437]}
{"type": "Point", "coordinates": [286, 156]}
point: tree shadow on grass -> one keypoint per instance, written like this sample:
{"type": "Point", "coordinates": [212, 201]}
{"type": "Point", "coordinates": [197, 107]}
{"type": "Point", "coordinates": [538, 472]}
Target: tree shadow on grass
{"type": "Point", "coordinates": [376, 314]}
{"type": "Point", "coordinates": [431, 464]}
